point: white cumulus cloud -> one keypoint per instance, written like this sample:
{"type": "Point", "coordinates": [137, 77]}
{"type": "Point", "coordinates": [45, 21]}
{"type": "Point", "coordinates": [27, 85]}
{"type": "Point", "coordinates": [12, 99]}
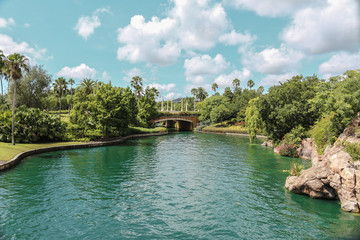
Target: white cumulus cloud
{"type": "Point", "coordinates": [189, 25]}
{"type": "Point", "coordinates": [6, 22]}
{"type": "Point", "coordinates": [340, 63]}
{"type": "Point", "coordinates": [225, 80]}
{"type": "Point", "coordinates": [273, 60]}
{"type": "Point", "coordinates": [105, 76]}
{"type": "Point", "coordinates": [205, 65]}
{"type": "Point", "coordinates": [329, 28]}
{"type": "Point", "coordinates": [132, 73]}
{"type": "Point", "coordinates": [9, 46]}
{"type": "Point", "coordinates": [272, 79]}
{"type": "Point", "coordinates": [80, 72]}
{"type": "Point", "coordinates": [86, 25]}
{"type": "Point", "coordinates": [163, 87]}
{"type": "Point", "coordinates": [234, 38]}
{"type": "Point", "coordinates": [272, 8]}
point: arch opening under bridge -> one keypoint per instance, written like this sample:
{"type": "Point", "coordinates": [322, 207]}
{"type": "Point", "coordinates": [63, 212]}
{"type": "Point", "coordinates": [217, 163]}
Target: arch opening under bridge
{"type": "Point", "coordinates": [181, 123]}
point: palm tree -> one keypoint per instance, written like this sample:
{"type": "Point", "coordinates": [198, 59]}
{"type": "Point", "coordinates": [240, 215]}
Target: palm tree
{"type": "Point", "coordinates": [60, 85]}
{"type": "Point", "coordinates": [71, 82]}
{"type": "Point", "coordinates": [236, 84]}
{"type": "Point", "coordinates": [15, 64]}
{"type": "Point", "coordinates": [88, 85]}
{"type": "Point", "coordinates": [2, 63]}
{"type": "Point", "coordinates": [250, 83]}
{"type": "Point", "coordinates": [201, 94]}
{"type": "Point", "coordinates": [214, 86]}
{"type": "Point", "coordinates": [137, 84]}
{"type": "Point", "coordinates": [194, 92]}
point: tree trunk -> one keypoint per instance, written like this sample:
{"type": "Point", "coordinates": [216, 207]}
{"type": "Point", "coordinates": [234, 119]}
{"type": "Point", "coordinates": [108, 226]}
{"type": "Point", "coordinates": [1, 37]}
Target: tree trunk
{"type": "Point", "coordinates": [60, 108]}
{"type": "Point", "coordinates": [2, 89]}
{"type": "Point", "coordinates": [13, 116]}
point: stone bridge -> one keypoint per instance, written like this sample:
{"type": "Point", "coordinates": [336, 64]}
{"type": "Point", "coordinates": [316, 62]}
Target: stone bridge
{"type": "Point", "coordinates": [184, 123]}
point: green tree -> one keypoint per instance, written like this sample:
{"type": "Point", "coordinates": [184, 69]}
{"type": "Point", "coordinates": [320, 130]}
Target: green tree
{"type": "Point", "coordinates": [32, 88]}
{"type": "Point", "coordinates": [228, 94]}
{"type": "Point", "coordinates": [111, 109]}
{"type": "Point", "coordinates": [236, 84]}
{"type": "Point", "coordinates": [201, 94]}
{"type": "Point", "coordinates": [15, 65]}
{"type": "Point", "coordinates": [88, 85]}
{"type": "Point", "coordinates": [71, 82]}
{"type": "Point", "coordinates": [194, 92]}
{"type": "Point", "coordinates": [60, 86]}
{"type": "Point", "coordinates": [252, 120]}
{"type": "Point", "coordinates": [2, 65]}
{"type": "Point", "coordinates": [211, 103]}
{"type": "Point", "coordinates": [260, 90]}
{"type": "Point", "coordinates": [287, 106]}
{"type": "Point", "coordinates": [214, 86]}
{"type": "Point", "coordinates": [147, 107]}
{"type": "Point", "coordinates": [250, 83]}
{"type": "Point", "coordinates": [137, 84]}
{"type": "Point", "coordinates": [219, 113]}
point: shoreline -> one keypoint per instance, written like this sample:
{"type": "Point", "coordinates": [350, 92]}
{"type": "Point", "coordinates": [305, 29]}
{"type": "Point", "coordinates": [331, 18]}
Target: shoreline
{"type": "Point", "coordinates": [232, 134]}
{"type": "Point", "coordinates": [6, 165]}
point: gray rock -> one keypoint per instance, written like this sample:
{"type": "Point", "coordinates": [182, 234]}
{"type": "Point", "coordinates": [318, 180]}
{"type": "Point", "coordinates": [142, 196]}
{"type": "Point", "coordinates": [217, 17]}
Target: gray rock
{"type": "Point", "coordinates": [334, 175]}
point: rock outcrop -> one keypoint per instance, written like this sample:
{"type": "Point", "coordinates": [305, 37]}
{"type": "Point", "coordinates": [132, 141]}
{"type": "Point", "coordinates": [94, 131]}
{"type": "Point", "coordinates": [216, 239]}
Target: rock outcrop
{"type": "Point", "coordinates": [334, 175]}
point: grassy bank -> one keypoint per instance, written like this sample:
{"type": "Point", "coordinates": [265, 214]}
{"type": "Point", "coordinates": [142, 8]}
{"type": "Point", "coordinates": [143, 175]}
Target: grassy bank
{"type": "Point", "coordinates": [223, 128]}
{"type": "Point", "coordinates": [8, 151]}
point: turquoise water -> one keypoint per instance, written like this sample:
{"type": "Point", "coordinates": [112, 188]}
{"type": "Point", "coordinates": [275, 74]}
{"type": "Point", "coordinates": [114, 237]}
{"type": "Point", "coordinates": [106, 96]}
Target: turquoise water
{"type": "Point", "coordinates": [180, 186]}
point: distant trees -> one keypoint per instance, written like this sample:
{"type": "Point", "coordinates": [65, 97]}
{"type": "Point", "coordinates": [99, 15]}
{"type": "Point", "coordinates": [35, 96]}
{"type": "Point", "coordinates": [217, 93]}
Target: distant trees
{"type": "Point", "coordinates": [32, 88]}
{"type": "Point", "coordinates": [60, 85]}
{"type": "Point", "coordinates": [214, 86]}
{"type": "Point", "coordinates": [250, 83]}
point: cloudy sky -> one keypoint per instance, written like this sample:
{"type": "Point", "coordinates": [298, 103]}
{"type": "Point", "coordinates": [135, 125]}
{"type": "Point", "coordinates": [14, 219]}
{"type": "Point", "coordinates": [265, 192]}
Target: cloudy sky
{"type": "Point", "coordinates": [176, 45]}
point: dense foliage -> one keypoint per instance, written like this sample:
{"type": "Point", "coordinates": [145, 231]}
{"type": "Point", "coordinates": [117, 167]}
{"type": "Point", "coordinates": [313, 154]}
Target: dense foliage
{"type": "Point", "coordinates": [31, 125]}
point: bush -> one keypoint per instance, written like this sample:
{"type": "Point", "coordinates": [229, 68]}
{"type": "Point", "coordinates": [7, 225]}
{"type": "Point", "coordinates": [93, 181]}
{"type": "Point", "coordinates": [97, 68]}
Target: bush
{"type": "Point", "coordinates": [323, 133]}
{"type": "Point", "coordinates": [295, 169]}
{"type": "Point", "coordinates": [286, 149]}
{"type": "Point", "coordinates": [353, 149]}
{"type": "Point", "coordinates": [31, 125]}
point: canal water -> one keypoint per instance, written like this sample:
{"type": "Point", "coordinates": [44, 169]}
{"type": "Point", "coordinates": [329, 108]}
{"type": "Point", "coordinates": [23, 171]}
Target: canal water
{"type": "Point", "coordinates": [180, 186]}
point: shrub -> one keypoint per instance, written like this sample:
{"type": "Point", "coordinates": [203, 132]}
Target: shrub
{"type": "Point", "coordinates": [31, 125]}
{"type": "Point", "coordinates": [286, 149]}
{"type": "Point", "coordinates": [295, 170]}
{"type": "Point", "coordinates": [353, 149]}
{"type": "Point", "coordinates": [323, 133]}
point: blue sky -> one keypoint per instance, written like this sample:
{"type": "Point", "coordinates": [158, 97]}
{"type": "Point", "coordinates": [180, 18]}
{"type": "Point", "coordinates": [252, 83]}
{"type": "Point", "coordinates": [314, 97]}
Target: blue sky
{"type": "Point", "coordinates": [176, 45]}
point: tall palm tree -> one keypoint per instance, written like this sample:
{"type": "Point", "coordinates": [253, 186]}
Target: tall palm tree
{"type": "Point", "coordinates": [214, 86]}
{"type": "Point", "coordinates": [236, 84]}
{"type": "Point", "coordinates": [15, 64]}
{"type": "Point", "coordinates": [201, 94]}
{"type": "Point", "coordinates": [88, 85]}
{"type": "Point", "coordinates": [71, 82]}
{"type": "Point", "coordinates": [250, 83]}
{"type": "Point", "coordinates": [2, 65]}
{"type": "Point", "coordinates": [194, 92]}
{"type": "Point", "coordinates": [137, 84]}
{"type": "Point", "coordinates": [60, 85]}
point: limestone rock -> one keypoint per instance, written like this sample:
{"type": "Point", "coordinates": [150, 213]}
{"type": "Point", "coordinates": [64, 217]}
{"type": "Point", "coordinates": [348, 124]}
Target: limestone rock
{"type": "Point", "coordinates": [334, 175]}
{"type": "Point", "coordinates": [268, 143]}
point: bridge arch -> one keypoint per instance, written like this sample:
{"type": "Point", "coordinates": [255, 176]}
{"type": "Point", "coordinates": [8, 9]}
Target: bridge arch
{"type": "Point", "coordinates": [184, 123]}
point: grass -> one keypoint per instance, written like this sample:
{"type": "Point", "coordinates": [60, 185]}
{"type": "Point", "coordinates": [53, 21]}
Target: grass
{"type": "Point", "coordinates": [224, 128]}
{"type": "Point", "coordinates": [139, 130]}
{"type": "Point", "coordinates": [8, 151]}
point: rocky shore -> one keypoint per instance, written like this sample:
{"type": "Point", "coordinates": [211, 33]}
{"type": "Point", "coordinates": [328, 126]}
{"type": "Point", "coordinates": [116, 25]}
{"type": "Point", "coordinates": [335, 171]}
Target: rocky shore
{"type": "Point", "coordinates": [334, 175]}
